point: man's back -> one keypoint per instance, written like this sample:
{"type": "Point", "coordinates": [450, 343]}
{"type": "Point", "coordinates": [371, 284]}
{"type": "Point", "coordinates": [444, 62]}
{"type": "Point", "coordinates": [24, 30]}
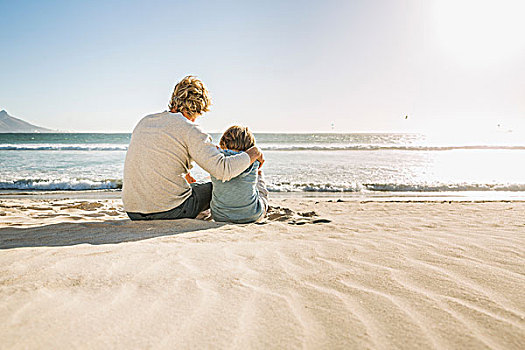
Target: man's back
{"type": "Point", "coordinates": [156, 161]}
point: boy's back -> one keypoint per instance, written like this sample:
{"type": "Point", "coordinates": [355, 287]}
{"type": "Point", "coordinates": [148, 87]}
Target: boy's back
{"type": "Point", "coordinates": [237, 200]}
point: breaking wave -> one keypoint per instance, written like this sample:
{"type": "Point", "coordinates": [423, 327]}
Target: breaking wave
{"type": "Point", "coordinates": [384, 148]}
{"type": "Point", "coordinates": [106, 184]}
{"type": "Point", "coordinates": [63, 147]}
{"type": "Point", "coordinates": [356, 187]}
{"type": "Point", "coordinates": [60, 184]}
{"type": "Point", "coordinates": [274, 147]}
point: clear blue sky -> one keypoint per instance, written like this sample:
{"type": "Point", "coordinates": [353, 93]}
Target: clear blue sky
{"type": "Point", "coordinates": [272, 65]}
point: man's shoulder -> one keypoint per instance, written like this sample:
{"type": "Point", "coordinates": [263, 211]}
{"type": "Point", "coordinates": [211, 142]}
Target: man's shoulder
{"type": "Point", "coordinates": [165, 120]}
{"type": "Point", "coordinates": [166, 117]}
{"type": "Point", "coordinates": [180, 121]}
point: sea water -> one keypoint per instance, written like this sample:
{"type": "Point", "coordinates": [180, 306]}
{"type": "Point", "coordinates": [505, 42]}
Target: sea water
{"type": "Point", "coordinates": [351, 164]}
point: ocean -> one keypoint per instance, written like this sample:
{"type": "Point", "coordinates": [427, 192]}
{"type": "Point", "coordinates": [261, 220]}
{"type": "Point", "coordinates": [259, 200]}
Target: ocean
{"type": "Point", "coordinates": [309, 164]}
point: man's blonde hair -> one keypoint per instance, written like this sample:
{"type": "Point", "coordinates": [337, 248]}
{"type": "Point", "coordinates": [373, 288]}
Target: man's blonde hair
{"type": "Point", "coordinates": [190, 96]}
{"type": "Point", "coordinates": [237, 138]}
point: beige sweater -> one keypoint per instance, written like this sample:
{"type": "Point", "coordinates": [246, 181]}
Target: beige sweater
{"type": "Point", "coordinates": [159, 156]}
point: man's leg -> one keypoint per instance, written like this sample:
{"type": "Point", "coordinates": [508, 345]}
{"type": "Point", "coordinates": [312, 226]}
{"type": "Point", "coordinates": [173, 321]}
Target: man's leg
{"type": "Point", "coordinates": [198, 201]}
{"type": "Point", "coordinates": [202, 193]}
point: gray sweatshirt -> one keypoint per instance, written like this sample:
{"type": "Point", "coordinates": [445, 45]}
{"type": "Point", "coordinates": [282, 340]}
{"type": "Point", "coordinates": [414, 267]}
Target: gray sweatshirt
{"type": "Point", "coordinates": [237, 200]}
{"type": "Point", "coordinates": [159, 156]}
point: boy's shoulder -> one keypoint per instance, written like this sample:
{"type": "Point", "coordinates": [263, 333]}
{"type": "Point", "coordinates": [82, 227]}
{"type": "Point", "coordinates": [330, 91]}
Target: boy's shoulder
{"type": "Point", "coordinates": [253, 167]}
{"type": "Point", "coordinates": [229, 152]}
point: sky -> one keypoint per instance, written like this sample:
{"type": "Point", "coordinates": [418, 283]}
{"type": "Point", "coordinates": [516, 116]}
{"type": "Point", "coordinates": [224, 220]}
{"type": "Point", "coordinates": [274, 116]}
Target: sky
{"type": "Point", "coordinates": [275, 66]}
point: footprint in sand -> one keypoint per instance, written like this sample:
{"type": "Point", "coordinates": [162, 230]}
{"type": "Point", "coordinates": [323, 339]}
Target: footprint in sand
{"type": "Point", "coordinates": [110, 213]}
{"type": "Point", "coordinates": [321, 221]}
{"type": "Point", "coordinates": [285, 214]}
{"type": "Point", "coordinates": [303, 221]}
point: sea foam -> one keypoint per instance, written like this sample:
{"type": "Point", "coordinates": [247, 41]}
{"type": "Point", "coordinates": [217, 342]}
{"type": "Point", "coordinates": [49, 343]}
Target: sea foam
{"type": "Point", "coordinates": [63, 147]}
{"type": "Point", "coordinates": [60, 184]}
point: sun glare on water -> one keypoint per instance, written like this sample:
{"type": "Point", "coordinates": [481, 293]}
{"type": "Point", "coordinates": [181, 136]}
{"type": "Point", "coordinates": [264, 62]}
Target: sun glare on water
{"type": "Point", "coordinates": [481, 32]}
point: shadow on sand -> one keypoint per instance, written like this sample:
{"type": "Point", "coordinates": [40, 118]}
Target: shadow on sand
{"type": "Point", "coordinates": [107, 232]}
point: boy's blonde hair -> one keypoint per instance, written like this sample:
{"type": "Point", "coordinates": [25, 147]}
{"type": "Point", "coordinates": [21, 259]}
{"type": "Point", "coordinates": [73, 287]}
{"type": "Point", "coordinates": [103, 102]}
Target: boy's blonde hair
{"type": "Point", "coordinates": [190, 96]}
{"type": "Point", "coordinates": [237, 138]}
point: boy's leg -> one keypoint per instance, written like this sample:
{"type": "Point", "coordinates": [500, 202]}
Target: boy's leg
{"type": "Point", "coordinates": [263, 191]}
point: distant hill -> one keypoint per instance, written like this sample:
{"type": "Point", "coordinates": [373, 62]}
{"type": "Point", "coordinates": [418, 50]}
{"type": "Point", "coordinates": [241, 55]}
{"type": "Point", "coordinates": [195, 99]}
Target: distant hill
{"type": "Point", "coordinates": [12, 124]}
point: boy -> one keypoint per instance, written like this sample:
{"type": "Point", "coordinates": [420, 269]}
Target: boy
{"type": "Point", "coordinates": [244, 198]}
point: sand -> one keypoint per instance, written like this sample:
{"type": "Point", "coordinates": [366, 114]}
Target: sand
{"type": "Point", "coordinates": [368, 275]}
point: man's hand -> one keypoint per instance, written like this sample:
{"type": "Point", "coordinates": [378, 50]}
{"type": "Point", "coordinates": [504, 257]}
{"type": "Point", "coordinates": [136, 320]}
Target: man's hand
{"type": "Point", "coordinates": [190, 179]}
{"type": "Point", "coordinates": [255, 154]}
{"type": "Point", "coordinates": [261, 160]}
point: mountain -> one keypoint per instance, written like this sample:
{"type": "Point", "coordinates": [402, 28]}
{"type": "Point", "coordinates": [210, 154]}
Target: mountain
{"type": "Point", "coordinates": [12, 124]}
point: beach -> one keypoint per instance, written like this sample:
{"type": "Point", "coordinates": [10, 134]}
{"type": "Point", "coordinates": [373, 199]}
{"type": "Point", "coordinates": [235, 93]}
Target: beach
{"type": "Point", "coordinates": [384, 142]}
{"type": "Point", "coordinates": [321, 272]}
